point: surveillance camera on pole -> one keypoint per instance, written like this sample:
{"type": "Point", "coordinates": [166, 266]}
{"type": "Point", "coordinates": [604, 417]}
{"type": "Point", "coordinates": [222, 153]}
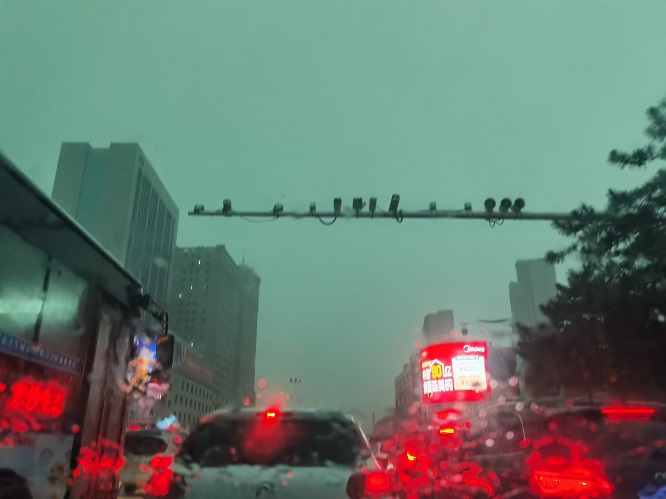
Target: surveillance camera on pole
{"type": "Point", "coordinates": [393, 207]}
{"type": "Point", "coordinates": [505, 205]}
{"type": "Point", "coordinates": [226, 207]}
{"type": "Point", "coordinates": [372, 207]}
{"type": "Point", "coordinates": [357, 205]}
{"type": "Point", "coordinates": [490, 205]}
{"type": "Point", "coordinates": [337, 206]}
{"type": "Point", "coordinates": [518, 205]}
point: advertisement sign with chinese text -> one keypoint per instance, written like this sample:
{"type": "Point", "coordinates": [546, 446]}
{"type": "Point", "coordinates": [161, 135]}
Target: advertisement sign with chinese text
{"type": "Point", "coordinates": [453, 372]}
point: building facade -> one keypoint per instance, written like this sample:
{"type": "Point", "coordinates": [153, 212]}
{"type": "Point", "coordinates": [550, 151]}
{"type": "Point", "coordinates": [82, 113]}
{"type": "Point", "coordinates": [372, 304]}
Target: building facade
{"type": "Point", "coordinates": [535, 286]}
{"type": "Point", "coordinates": [214, 305]}
{"type": "Point", "coordinates": [408, 387]}
{"type": "Point", "coordinates": [191, 392]}
{"type": "Point", "coordinates": [438, 327]}
{"type": "Point", "coordinates": [115, 194]}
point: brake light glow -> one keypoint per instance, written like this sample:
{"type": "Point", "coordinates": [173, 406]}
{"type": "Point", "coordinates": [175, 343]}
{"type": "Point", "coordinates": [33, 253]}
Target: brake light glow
{"type": "Point", "coordinates": [377, 482]}
{"type": "Point", "coordinates": [161, 462]}
{"type": "Point", "coordinates": [411, 457]}
{"type": "Point", "coordinates": [555, 484]}
{"type": "Point", "coordinates": [447, 431]}
{"type": "Point", "coordinates": [271, 415]}
{"type": "Point", "coordinates": [628, 412]}
{"type": "Point", "coordinates": [159, 483]}
{"type": "Point", "coordinates": [35, 397]}
{"type": "Point", "coordinates": [478, 483]}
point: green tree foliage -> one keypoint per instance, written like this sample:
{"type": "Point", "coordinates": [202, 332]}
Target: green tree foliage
{"type": "Point", "coordinates": [608, 326]}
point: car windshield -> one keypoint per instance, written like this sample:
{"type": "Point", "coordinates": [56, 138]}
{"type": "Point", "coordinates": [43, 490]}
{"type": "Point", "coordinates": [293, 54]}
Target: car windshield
{"type": "Point", "coordinates": [226, 442]}
{"type": "Point", "coordinates": [441, 221]}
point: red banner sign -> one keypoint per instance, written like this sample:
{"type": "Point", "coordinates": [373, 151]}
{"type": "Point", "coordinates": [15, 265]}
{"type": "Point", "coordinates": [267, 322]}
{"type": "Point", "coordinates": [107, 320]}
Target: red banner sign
{"type": "Point", "coordinates": [455, 372]}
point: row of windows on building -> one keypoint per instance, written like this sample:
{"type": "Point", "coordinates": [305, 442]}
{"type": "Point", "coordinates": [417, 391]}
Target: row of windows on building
{"type": "Point", "coordinates": [195, 390]}
{"type": "Point", "coordinates": [180, 401]}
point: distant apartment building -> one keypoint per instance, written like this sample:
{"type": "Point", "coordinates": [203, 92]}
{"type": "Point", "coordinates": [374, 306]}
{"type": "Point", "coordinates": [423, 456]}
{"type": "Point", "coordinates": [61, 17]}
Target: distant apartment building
{"type": "Point", "coordinates": [214, 305]}
{"type": "Point", "coordinates": [191, 392]}
{"type": "Point", "coordinates": [115, 194]}
{"type": "Point", "coordinates": [438, 327]}
{"type": "Point", "coordinates": [408, 386]}
{"type": "Point", "coordinates": [535, 286]}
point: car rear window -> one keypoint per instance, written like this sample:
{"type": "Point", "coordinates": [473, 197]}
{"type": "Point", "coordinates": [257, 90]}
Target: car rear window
{"type": "Point", "coordinates": [223, 442]}
{"type": "Point", "coordinates": [144, 445]}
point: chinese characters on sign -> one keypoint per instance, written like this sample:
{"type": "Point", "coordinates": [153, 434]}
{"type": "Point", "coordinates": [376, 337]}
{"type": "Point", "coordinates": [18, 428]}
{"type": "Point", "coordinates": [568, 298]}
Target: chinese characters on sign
{"type": "Point", "coordinates": [36, 398]}
{"type": "Point", "coordinates": [438, 378]}
{"type": "Point", "coordinates": [454, 371]}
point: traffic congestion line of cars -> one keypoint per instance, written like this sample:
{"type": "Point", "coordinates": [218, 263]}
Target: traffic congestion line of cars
{"type": "Point", "coordinates": [507, 450]}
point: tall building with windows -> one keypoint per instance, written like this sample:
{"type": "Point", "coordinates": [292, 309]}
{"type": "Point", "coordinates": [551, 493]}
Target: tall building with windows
{"type": "Point", "coordinates": [536, 285]}
{"type": "Point", "coordinates": [115, 194]}
{"type": "Point", "coordinates": [214, 306]}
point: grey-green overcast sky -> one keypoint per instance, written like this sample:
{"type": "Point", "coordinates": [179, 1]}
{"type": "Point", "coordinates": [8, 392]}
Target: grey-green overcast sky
{"type": "Point", "coordinates": [266, 101]}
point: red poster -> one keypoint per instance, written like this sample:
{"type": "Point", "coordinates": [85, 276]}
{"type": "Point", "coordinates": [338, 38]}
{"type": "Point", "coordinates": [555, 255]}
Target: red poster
{"type": "Point", "coordinates": [453, 372]}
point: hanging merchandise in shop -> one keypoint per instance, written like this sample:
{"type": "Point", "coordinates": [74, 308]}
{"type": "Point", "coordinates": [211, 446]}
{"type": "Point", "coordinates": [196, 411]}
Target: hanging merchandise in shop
{"type": "Point", "coordinates": [151, 356]}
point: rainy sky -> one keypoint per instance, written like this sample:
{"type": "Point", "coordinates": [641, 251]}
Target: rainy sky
{"type": "Point", "coordinates": [267, 101]}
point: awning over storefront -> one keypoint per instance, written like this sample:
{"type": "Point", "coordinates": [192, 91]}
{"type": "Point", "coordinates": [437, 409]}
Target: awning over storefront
{"type": "Point", "coordinates": [40, 221]}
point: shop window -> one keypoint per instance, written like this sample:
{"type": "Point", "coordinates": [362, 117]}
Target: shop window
{"type": "Point", "coordinates": [62, 321]}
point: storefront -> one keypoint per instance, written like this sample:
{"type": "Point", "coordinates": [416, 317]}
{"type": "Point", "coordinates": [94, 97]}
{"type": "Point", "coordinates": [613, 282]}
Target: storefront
{"type": "Point", "coordinates": [65, 324]}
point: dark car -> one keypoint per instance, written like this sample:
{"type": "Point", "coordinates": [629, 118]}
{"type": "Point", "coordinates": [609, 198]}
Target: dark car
{"type": "Point", "coordinates": [578, 451]}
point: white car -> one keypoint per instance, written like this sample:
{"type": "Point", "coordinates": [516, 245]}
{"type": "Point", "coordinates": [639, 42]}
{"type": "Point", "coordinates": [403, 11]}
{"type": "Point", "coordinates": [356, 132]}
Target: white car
{"type": "Point", "coordinates": [289, 454]}
{"type": "Point", "coordinates": [148, 455]}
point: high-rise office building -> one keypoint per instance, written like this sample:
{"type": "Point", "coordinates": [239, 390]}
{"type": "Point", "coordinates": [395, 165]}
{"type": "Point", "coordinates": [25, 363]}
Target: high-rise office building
{"type": "Point", "coordinates": [536, 285]}
{"type": "Point", "coordinates": [438, 327]}
{"type": "Point", "coordinates": [214, 306]}
{"type": "Point", "coordinates": [115, 194]}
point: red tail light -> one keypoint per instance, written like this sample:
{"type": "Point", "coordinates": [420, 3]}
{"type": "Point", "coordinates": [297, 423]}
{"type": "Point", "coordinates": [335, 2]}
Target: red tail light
{"type": "Point", "coordinates": [411, 457]}
{"type": "Point", "coordinates": [479, 484]}
{"type": "Point", "coordinates": [377, 482]}
{"type": "Point", "coordinates": [160, 483]}
{"type": "Point", "coordinates": [447, 431]}
{"type": "Point", "coordinates": [628, 412]}
{"type": "Point", "coordinates": [161, 462]}
{"type": "Point", "coordinates": [570, 484]}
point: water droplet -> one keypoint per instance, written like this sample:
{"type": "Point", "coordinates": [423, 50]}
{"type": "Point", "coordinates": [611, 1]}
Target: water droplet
{"type": "Point", "coordinates": [490, 442]}
{"type": "Point", "coordinates": [513, 381]}
{"type": "Point", "coordinates": [509, 435]}
{"type": "Point", "coordinates": [493, 384]}
{"type": "Point", "coordinates": [261, 383]}
{"type": "Point", "coordinates": [520, 406]}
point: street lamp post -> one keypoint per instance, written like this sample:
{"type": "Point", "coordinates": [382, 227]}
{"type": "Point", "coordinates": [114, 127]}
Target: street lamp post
{"type": "Point", "coordinates": [295, 382]}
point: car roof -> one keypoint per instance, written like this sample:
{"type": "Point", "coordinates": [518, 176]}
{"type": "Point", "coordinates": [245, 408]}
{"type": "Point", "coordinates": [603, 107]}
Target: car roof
{"type": "Point", "coordinates": [287, 413]}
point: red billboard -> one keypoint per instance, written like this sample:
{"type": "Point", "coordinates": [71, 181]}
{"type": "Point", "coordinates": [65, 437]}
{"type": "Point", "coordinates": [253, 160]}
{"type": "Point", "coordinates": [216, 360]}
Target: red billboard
{"type": "Point", "coordinates": [452, 372]}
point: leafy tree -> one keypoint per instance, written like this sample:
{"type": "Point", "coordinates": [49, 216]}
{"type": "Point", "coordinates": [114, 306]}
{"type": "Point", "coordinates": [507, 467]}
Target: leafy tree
{"type": "Point", "coordinates": [609, 331]}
